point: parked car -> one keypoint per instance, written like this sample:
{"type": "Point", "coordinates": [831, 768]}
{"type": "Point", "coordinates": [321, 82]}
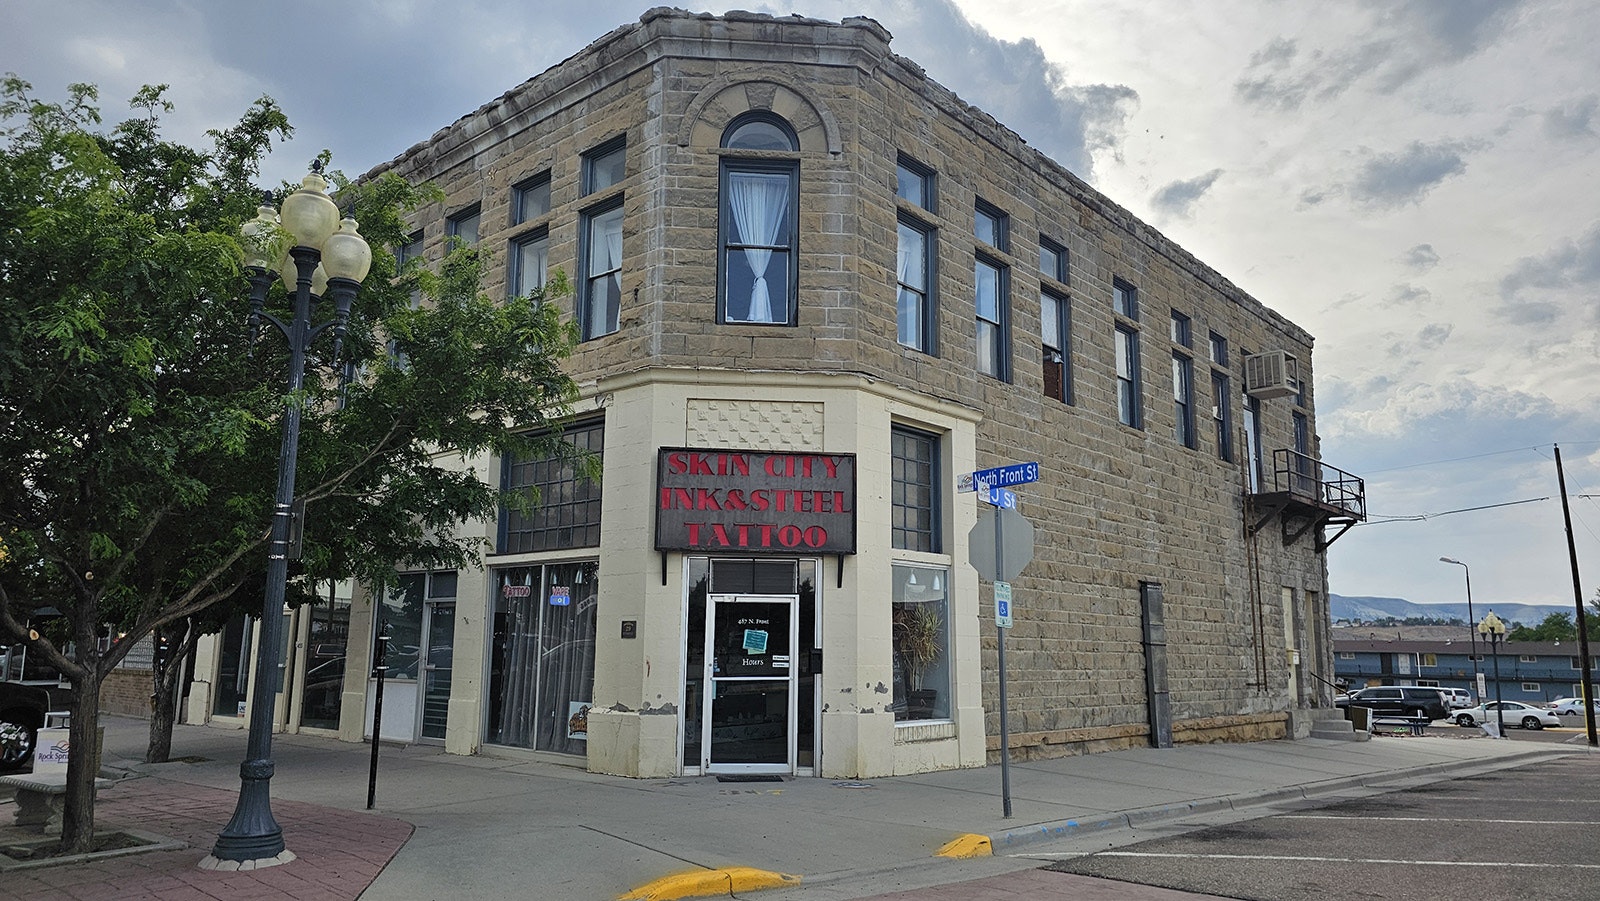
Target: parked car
{"type": "Point", "coordinates": [1458, 698]}
{"type": "Point", "coordinates": [1399, 700]}
{"type": "Point", "coordinates": [22, 709]}
{"type": "Point", "coordinates": [1573, 707]}
{"type": "Point", "coordinates": [1515, 713]}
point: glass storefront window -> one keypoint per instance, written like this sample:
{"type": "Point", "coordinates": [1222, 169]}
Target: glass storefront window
{"type": "Point", "coordinates": [401, 616]}
{"type": "Point", "coordinates": [326, 636]}
{"type": "Point", "coordinates": [233, 667]}
{"type": "Point", "coordinates": [541, 672]}
{"type": "Point", "coordinates": [921, 636]}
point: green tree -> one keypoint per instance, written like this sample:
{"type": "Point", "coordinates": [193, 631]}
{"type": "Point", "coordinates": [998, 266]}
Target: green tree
{"type": "Point", "coordinates": [1554, 627]}
{"type": "Point", "coordinates": [139, 417]}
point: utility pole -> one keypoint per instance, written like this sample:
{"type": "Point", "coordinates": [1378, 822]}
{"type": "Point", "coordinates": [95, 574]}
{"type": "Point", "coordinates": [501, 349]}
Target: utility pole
{"type": "Point", "coordinates": [1577, 596]}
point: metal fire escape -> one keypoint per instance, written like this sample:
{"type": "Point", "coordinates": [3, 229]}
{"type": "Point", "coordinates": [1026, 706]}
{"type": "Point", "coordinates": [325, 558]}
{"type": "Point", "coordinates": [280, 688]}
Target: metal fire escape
{"type": "Point", "coordinates": [1307, 495]}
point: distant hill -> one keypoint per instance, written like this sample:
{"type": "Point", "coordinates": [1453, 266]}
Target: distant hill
{"type": "Point", "coordinates": [1368, 609]}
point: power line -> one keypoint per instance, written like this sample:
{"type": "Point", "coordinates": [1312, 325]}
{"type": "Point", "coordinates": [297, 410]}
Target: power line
{"type": "Point", "coordinates": [1420, 517]}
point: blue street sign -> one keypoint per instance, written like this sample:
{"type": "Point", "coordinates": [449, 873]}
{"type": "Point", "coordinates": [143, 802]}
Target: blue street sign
{"type": "Point", "coordinates": [999, 497]}
{"type": "Point", "coordinates": [1004, 476]}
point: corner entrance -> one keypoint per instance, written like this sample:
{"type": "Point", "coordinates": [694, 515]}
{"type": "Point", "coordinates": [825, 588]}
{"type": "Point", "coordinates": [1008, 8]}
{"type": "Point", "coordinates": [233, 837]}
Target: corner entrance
{"type": "Point", "coordinates": [750, 674]}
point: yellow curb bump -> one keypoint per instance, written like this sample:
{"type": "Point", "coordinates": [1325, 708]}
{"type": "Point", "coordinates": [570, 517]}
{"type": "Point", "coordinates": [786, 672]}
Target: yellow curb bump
{"type": "Point", "coordinates": [969, 845]}
{"type": "Point", "coordinates": [706, 883]}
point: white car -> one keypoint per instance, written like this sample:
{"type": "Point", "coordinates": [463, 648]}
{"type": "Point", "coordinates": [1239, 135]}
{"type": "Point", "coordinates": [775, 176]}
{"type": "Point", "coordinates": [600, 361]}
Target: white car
{"type": "Point", "coordinates": [1573, 707]}
{"type": "Point", "coordinates": [1457, 698]}
{"type": "Point", "coordinates": [1514, 713]}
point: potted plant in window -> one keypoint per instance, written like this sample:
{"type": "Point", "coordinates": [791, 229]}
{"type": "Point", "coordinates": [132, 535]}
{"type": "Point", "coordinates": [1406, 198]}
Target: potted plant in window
{"type": "Point", "coordinates": [919, 640]}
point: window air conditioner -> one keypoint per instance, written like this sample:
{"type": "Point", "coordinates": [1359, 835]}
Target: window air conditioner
{"type": "Point", "coordinates": [1272, 374]}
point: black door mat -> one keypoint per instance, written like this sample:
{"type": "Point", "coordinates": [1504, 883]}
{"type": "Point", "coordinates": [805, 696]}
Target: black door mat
{"type": "Point", "coordinates": [748, 777]}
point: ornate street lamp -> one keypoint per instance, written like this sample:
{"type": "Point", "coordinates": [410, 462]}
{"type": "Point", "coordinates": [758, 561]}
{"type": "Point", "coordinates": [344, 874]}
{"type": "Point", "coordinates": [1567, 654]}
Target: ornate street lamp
{"type": "Point", "coordinates": [326, 261]}
{"type": "Point", "coordinates": [1471, 633]}
{"type": "Point", "coordinates": [1493, 628]}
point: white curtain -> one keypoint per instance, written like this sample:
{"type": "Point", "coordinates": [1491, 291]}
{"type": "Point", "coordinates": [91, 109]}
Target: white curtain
{"type": "Point", "coordinates": [759, 203]}
{"type": "Point", "coordinates": [605, 275]}
{"type": "Point", "coordinates": [908, 265]}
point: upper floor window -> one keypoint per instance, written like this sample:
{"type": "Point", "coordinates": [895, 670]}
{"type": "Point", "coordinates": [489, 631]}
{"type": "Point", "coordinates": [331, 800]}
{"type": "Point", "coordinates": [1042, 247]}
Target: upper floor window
{"type": "Point", "coordinates": [1129, 389]}
{"type": "Point", "coordinates": [758, 223]}
{"type": "Point", "coordinates": [1055, 330]}
{"type": "Point", "coordinates": [993, 318]}
{"type": "Point", "coordinates": [567, 514]}
{"type": "Point", "coordinates": [1221, 414]}
{"type": "Point", "coordinates": [1219, 350]}
{"type": "Point", "coordinates": [405, 253]}
{"type": "Point", "coordinates": [600, 259]}
{"type": "Point", "coordinates": [914, 458]}
{"type": "Point", "coordinates": [989, 225]}
{"type": "Point", "coordinates": [464, 225]}
{"type": "Point", "coordinates": [531, 199]}
{"type": "Point", "coordinates": [530, 259]}
{"type": "Point", "coordinates": [914, 183]}
{"type": "Point", "coordinates": [1052, 260]}
{"type": "Point", "coordinates": [1125, 299]}
{"type": "Point", "coordinates": [1183, 400]}
{"type": "Point", "coordinates": [914, 308]}
{"type": "Point", "coordinates": [1179, 330]}
{"type": "Point", "coordinates": [604, 166]}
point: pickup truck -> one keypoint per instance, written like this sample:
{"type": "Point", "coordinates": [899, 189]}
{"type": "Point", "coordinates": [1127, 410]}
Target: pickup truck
{"type": "Point", "coordinates": [22, 709]}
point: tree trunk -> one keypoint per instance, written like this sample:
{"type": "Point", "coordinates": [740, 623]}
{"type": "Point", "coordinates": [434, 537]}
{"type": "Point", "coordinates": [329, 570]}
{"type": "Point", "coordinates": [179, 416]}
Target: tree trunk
{"type": "Point", "coordinates": [163, 714]}
{"type": "Point", "coordinates": [83, 764]}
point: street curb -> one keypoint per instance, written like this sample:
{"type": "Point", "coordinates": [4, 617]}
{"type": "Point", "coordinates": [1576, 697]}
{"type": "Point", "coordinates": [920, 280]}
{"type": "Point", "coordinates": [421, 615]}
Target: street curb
{"type": "Point", "coordinates": [1148, 816]}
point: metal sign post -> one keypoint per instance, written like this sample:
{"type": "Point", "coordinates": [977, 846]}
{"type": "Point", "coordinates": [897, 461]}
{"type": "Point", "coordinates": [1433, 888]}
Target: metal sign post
{"type": "Point", "coordinates": [378, 670]}
{"type": "Point", "coordinates": [1000, 649]}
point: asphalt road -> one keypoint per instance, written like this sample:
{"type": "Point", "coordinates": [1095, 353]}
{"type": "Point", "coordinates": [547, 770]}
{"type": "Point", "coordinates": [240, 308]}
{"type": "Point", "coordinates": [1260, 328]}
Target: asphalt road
{"type": "Point", "coordinates": [1522, 833]}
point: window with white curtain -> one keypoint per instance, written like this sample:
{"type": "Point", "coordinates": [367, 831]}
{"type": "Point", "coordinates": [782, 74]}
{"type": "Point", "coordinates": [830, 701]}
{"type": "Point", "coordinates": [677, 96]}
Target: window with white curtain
{"type": "Point", "coordinates": [600, 302]}
{"type": "Point", "coordinates": [758, 222]}
{"type": "Point", "coordinates": [914, 293]}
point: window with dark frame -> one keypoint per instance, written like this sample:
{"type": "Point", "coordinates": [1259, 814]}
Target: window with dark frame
{"type": "Point", "coordinates": [1055, 331]}
{"type": "Point", "coordinates": [530, 198]}
{"type": "Point", "coordinates": [992, 289]}
{"type": "Point", "coordinates": [1183, 399]}
{"type": "Point", "coordinates": [1221, 414]}
{"type": "Point", "coordinates": [914, 276]}
{"type": "Point", "coordinates": [1219, 350]}
{"type": "Point", "coordinates": [1179, 330]}
{"type": "Point", "coordinates": [1125, 299]}
{"type": "Point", "coordinates": [914, 183]}
{"type": "Point", "coordinates": [464, 225]}
{"type": "Point", "coordinates": [990, 225]}
{"type": "Point", "coordinates": [1053, 260]}
{"type": "Point", "coordinates": [605, 165]}
{"type": "Point", "coordinates": [758, 224]}
{"type": "Point", "coordinates": [600, 256]}
{"type": "Point", "coordinates": [914, 457]}
{"type": "Point", "coordinates": [567, 512]}
{"type": "Point", "coordinates": [1129, 410]}
{"type": "Point", "coordinates": [530, 261]}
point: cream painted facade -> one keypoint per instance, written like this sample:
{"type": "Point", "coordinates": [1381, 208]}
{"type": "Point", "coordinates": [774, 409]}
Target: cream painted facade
{"type": "Point", "coordinates": [1178, 588]}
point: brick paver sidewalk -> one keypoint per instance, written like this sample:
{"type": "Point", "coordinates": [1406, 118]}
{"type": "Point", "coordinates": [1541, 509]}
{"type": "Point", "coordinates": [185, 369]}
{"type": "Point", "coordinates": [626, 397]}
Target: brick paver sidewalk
{"type": "Point", "coordinates": [340, 851]}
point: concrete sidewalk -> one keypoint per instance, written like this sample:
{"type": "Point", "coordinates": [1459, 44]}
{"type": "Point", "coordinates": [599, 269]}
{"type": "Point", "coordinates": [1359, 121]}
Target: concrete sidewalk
{"type": "Point", "coordinates": [497, 827]}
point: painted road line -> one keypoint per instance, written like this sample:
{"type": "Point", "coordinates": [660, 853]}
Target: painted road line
{"type": "Point", "coordinates": [1366, 819]}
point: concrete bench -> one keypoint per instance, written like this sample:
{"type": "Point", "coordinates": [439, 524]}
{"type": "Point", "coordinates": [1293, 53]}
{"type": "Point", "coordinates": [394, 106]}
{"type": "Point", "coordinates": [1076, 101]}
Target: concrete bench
{"type": "Point", "coordinates": [42, 799]}
{"type": "Point", "coordinates": [1401, 724]}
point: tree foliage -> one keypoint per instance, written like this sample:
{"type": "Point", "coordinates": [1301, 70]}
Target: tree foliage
{"type": "Point", "coordinates": [139, 417]}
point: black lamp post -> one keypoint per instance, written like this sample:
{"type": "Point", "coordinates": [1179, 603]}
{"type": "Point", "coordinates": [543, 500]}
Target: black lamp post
{"type": "Point", "coordinates": [1471, 632]}
{"type": "Point", "coordinates": [1493, 628]}
{"type": "Point", "coordinates": [327, 261]}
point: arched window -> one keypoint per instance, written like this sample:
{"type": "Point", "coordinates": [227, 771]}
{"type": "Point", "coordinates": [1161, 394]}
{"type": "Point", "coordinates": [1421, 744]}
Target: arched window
{"type": "Point", "coordinates": [758, 222]}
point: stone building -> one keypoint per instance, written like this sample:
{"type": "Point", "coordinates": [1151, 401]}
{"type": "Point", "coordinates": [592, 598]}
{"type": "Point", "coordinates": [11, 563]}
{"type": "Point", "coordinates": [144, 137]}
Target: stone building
{"type": "Point", "coordinates": [817, 290]}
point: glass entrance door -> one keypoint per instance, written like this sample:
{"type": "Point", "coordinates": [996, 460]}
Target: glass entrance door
{"type": "Point", "coordinates": [750, 675]}
{"type": "Point", "coordinates": [438, 661]}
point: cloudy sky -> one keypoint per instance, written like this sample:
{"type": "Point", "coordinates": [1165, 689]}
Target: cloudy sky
{"type": "Point", "coordinates": [1416, 183]}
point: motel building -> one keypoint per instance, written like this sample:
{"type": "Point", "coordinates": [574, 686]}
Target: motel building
{"type": "Point", "coordinates": [815, 291]}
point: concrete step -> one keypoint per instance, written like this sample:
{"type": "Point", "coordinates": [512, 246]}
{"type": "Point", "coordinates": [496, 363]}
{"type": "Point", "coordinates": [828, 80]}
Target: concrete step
{"type": "Point", "coordinates": [1338, 729]}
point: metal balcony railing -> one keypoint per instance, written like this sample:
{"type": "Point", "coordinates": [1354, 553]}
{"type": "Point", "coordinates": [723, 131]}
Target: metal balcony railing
{"type": "Point", "coordinates": [1311, 480]}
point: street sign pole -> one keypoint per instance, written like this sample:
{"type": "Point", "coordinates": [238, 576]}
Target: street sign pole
{"type": "Point", "coordinates": [1000, 647]}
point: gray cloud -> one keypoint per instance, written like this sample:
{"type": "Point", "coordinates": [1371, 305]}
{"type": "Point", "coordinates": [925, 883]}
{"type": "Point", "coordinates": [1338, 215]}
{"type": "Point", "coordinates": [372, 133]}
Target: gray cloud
{"type": "Point", "coordinates": [1421, 257]}
{"type": "Point", "coordinates": [1010, 80]}
{"type": "Point", "coordinates": [1406, 39]}
{"type": "Point", "coordinates": [1395, 179]}
{"type": "Point", "coordinates": [1539, 287]}
{"type": "Point", "coordinates": [1179, 197]}
{"type": "Point", "coordinates": [1407, 296]}
{"type": "Point", "coordinates": [1434, 335]}
{"type": "Point", "coordinates": [1572, 120]}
